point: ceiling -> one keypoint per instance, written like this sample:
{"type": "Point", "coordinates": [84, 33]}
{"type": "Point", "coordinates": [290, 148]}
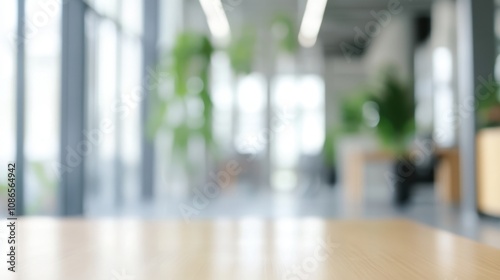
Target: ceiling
{"type": "Point", "coordinates": [342, 16]}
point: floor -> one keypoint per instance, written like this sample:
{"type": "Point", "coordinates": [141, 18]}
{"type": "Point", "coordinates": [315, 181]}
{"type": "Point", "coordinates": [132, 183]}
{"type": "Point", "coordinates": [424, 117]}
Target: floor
{"type": "Point", "coordinates": [316, 201]}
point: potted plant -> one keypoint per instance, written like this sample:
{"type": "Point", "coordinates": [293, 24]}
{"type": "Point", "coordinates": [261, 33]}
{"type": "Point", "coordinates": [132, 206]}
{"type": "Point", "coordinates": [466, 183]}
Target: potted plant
{"type": "Point", "coordinates": [329, 157]}
{"type": "Point", "coordinates": [395, 130]}
{"type": "Point", "coordinates": [489, 105]}
{"type": "Point", "coordinates": [352, 122]}
{"type": "Point", "coordinates": [188, 69]}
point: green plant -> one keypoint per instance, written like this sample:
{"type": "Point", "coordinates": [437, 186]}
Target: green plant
{"type": "Point", "coordinates": [488, 95]}
{"type": "Point", "coordinates": [284, 28]}
{"type": "Point", "coordinates": [352, 121]}
{"type": "Point", "coordinates": [47, 184]}
{"type": "Point", "coordinates": [488, 111]}
{"type": "Point", "coordinates": [186, 112]}
{"type": "Point", "coordinates": [328, 151]}
{"type": "Point", "coordinates": [396, 112]}
{"type": "Point", "coordinates": [3, 188]}
{"type": "Point", "coordinates": [241, 51]}
{"type": "Point", "coordinates": [352, 111]}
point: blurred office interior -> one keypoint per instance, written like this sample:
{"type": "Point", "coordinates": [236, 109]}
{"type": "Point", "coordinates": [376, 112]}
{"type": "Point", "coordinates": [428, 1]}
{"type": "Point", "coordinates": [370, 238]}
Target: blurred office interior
{"type": "Point", "coordinates": [208, 109]}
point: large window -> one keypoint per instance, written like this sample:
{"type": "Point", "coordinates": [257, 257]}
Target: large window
{"type": "Point", "coordinates": [42, 114]}
{"type": "Point", "coordinates": [8, 26]}
{"type": "Point", "coordinates": [41, 99]}
{"type": "Point", "coordinates": [114, 92]}
{"type": "Point", "coordinates": [297, 126]}
{"type": "Point", "coordinates": [114, 63]}
{"type": "Point", "coordinates": [251, 107]}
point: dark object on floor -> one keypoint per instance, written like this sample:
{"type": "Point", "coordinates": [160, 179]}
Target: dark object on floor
{"type": "Point", "coordinates": [403, 182]}
{"type": "Point", "coordinates": [331, 176]}
{"type": "Point", "coordinates": [407, 175]}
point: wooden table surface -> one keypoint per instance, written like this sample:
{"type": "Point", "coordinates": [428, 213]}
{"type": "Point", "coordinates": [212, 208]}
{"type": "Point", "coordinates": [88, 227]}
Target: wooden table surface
{"type": "Point", "coordinates": [54, 249]}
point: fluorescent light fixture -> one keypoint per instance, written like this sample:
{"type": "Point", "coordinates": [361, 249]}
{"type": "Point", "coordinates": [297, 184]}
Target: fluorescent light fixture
{"type": "Point", "coordinates": [216, 18]}
{"type": "Point", "coordinates": [313, 16]}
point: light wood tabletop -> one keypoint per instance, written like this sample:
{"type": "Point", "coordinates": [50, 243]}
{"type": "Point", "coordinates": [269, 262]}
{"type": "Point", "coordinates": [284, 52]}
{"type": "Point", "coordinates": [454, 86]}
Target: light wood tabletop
{"type": "Point", "coordinates": [54, 249]}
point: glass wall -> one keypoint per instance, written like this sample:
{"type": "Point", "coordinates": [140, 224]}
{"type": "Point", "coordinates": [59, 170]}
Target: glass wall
{"type": "Point", "coordinates": [114, 92]}
{"type": "Point", "coordinates": [8, 26]}
{"type": "Point", "coordinates": [42, 109]}
{"type": "Point", "coordinates": [114, 65]}
{"type": "Point", "coordinates": [42, 27]}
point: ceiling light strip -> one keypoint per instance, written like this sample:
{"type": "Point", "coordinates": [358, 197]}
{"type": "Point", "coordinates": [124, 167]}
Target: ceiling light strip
{"type": "Point", "coordinates": [216, 18]}
{"type": "Point", "coordinates": [311, 23]}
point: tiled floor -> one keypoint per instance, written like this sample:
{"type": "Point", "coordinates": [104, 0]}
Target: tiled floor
{"type": "Point", "coordinates": [322, 202]}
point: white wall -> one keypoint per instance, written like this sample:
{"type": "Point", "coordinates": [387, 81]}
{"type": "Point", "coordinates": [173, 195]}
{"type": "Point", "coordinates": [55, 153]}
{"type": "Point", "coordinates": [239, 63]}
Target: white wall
{"type": "Point", "coordinates": [341, 77]}
{"type": "Point", "coordinates": [392, 47]}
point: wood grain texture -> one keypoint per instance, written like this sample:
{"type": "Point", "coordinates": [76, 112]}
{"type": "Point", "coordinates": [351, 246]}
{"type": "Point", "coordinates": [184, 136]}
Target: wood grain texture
{"type": "Point", "coordinates": [246, 249]}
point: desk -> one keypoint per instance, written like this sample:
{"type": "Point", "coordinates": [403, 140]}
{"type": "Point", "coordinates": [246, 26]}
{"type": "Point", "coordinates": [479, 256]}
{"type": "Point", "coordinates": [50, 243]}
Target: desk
{"type": "Point", "coordinates": [355, 172]}
{"type": "Point", "coordinates": [52, 249]}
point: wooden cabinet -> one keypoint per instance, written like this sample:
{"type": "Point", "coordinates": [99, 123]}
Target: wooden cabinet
{"type": "Point", "coordinates": [488, 171]}
{"type": "Point", "coordinates": [448, 175]}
